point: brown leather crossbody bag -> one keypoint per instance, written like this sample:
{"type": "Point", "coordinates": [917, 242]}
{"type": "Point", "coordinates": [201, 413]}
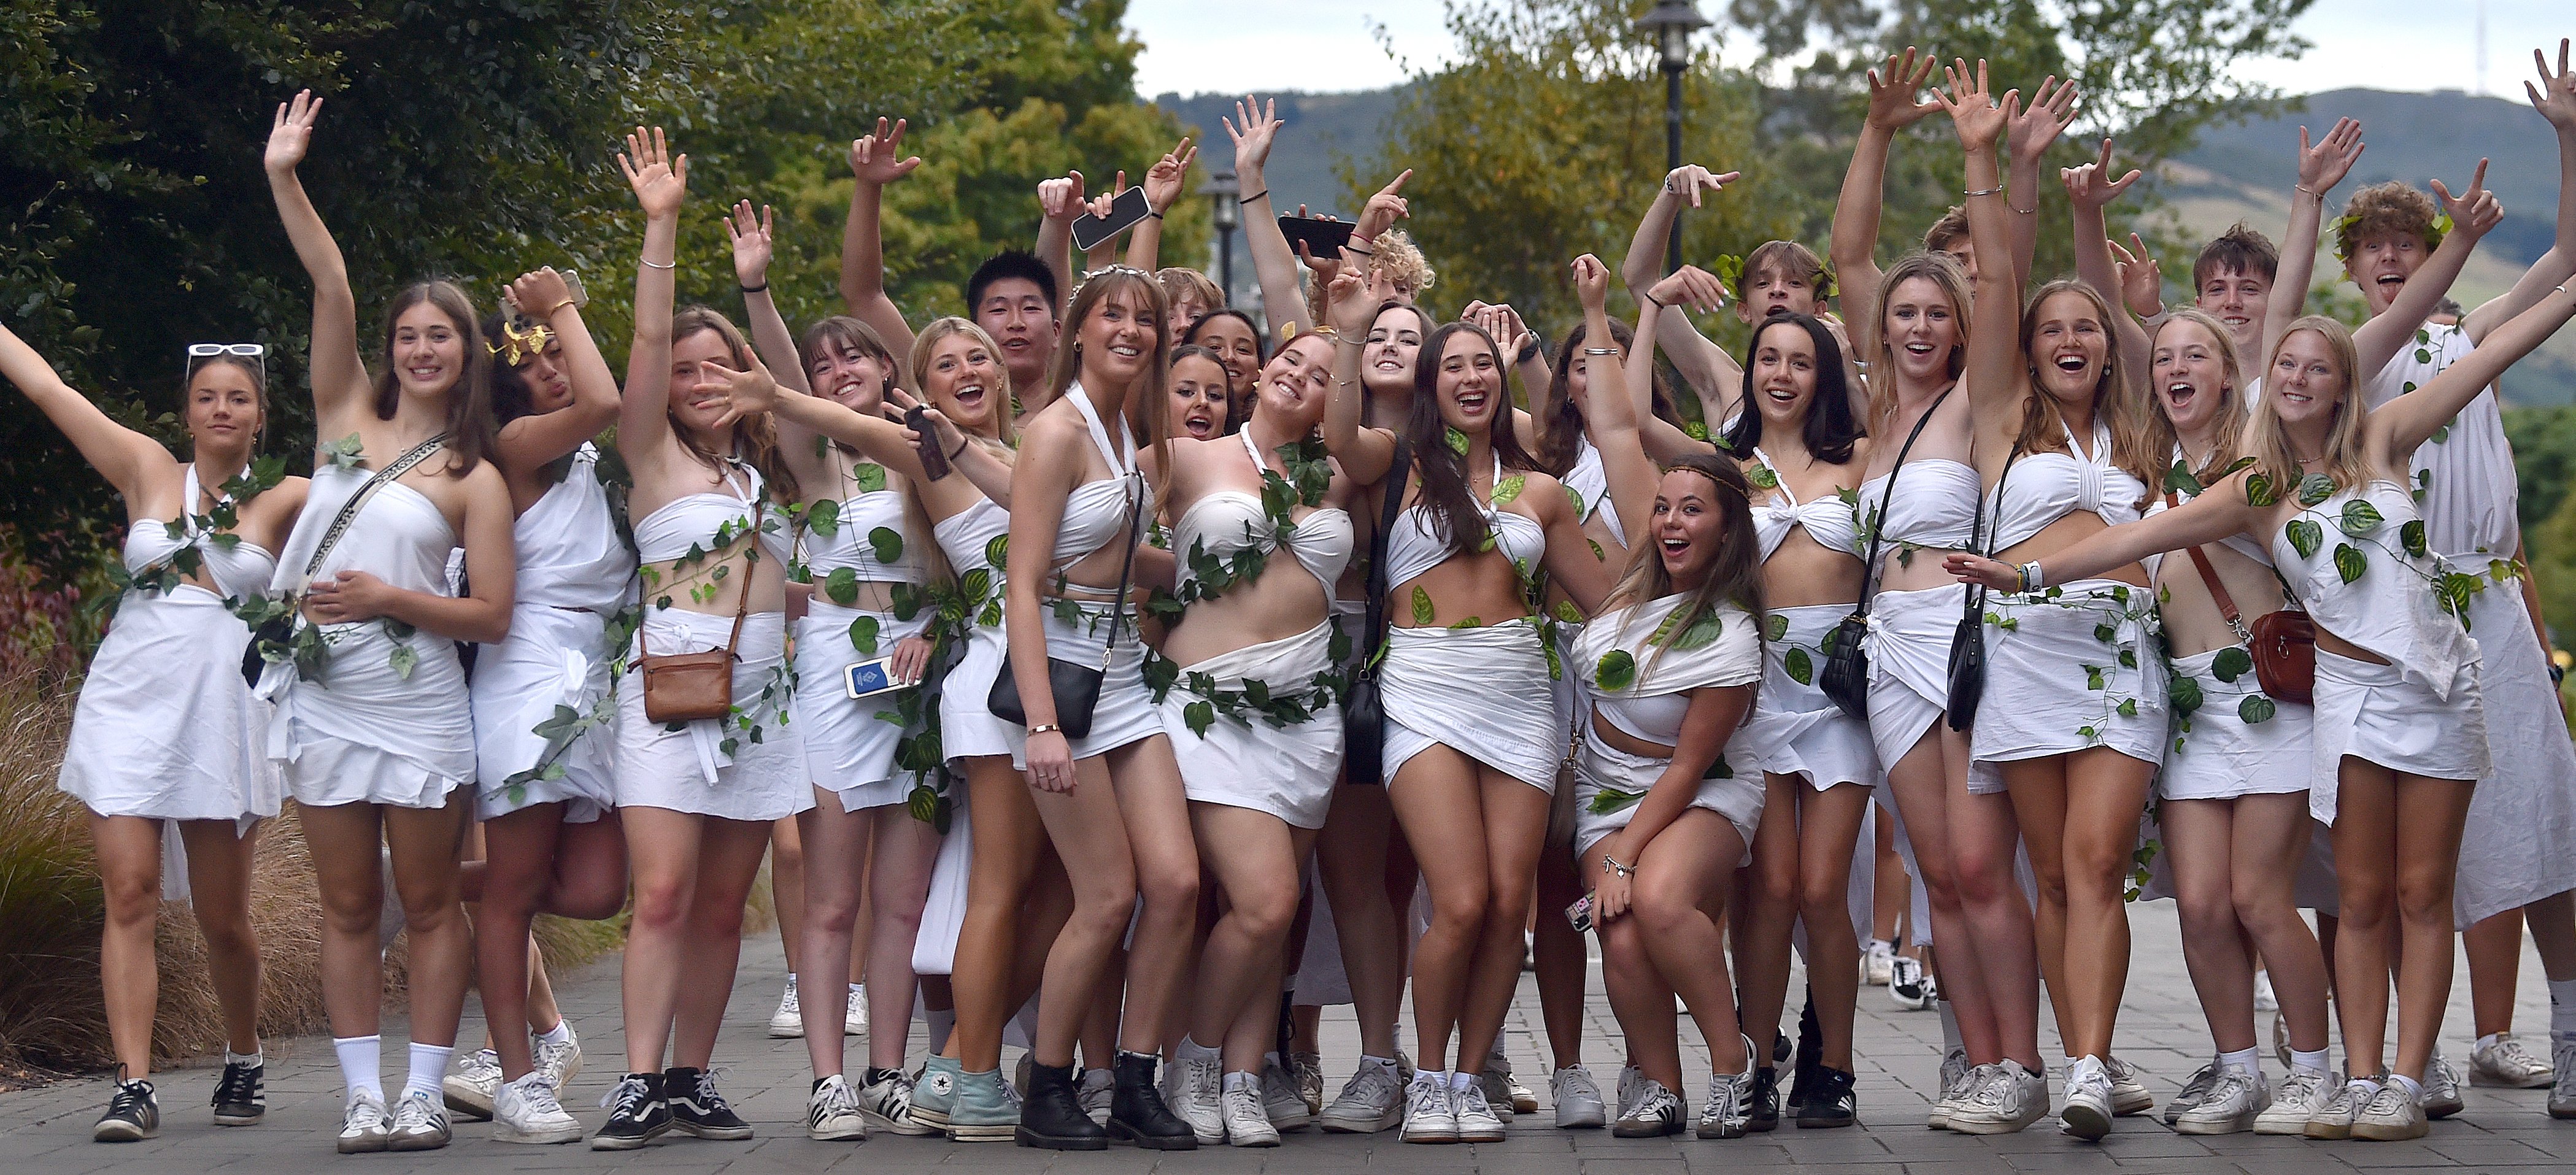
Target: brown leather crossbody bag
{"type": "Point", "coordinates": [686, 687]}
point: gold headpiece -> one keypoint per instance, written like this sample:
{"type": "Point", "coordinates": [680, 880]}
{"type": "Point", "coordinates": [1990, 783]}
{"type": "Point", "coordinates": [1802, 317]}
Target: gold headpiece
{"type": "Point", "coordinates": [521, 340]}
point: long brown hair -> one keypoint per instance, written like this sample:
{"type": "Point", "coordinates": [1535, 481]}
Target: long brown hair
{"type": "Point", "coordinates": [1560, 420]}
{"type": "Point", "coordinates": [1148, 408]}
{"type": "Point", "coordinates": [843, 331]}
{"type": "Point", "coordinates": [1941, 270]}
{"type": "Point", "coordinates": [2231, 397]}
{"type": "Point", "coordinates": [2043, 428]}
{"type": "Point", "coordinates": [754, 438]}
{"type": "Point", "coordinates": [1448, 491]}
{"type": "Point", "coordinates": [2345, 461]}
{"type": "Point", "coordinates": [469, 401]}
{"type": "Point", "coordinates": [1735, 578]}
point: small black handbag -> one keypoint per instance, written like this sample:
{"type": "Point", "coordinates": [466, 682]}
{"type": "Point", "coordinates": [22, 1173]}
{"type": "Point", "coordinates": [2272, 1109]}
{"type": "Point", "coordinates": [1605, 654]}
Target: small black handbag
{"type": "Point", "coordinates": [1363, 716]}
{"type": "Point", "coordinates": [1074, 686]}
{"type": "Point", "coordinates": [1846, 675]}
{"type": "Point", "coordinates": [1968, 642]}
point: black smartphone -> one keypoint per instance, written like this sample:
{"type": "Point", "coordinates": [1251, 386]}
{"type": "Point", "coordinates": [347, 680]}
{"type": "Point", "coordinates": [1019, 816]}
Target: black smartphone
{"type": "Point", "coordinates": [1323, 238]}
{"type": "Point", "coordinates": [1128, 211]}
{"type": "Point", "coordinates": [934, 464]}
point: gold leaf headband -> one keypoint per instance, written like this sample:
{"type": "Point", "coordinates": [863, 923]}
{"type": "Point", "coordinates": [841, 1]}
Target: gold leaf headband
{"type": "Point", "coordinates": [521, 340]}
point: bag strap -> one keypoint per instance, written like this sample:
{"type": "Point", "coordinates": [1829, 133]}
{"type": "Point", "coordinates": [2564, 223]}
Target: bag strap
{"type": "Point", "coordinates": [742, 603]}
{"type": "Point", "coordinates": [1978, 538]}
{"type": "Point", "coordinates": [410, 460]}
{"type": "Point", "coordinates": [2209, 578]}
{"type": "Point", "coordinates": [1391, 504]}
{"type": "Point", "coordinates": [1869, 562]}
{"type": "Point", "coordinates": [1126, 566]}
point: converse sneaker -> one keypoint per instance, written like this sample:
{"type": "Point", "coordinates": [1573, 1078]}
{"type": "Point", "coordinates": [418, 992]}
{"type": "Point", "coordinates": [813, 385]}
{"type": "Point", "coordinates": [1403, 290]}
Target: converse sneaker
{"type": "Point", "coordinates": [559, 1061]}
{"type": "Point", "coordinates": [364, 1124]}
{"type": "Point", "coordinates": [2334, 1118]}
{"type": "Point", "coordinates": [2562, 1092]}
{"type": "Point", "coordinates": [2300, 1096]}
{"type": "Point", "coordinates": [637, 1114]}
{"type": "Point", "coordinates": [468, 1091]}
{"type": "Point", "coordinates": [2194, 1089]}
{"type": "Point", "coordinates": [1478, 1120]}
{"type": "Point", "coordinates": [696, 1107]}
{"type": "Point", "coordinates": [1196, 1092]}
{"type": "Point", "coordinates": [1577, 1099]}
{"type": "Point", "coordinates": [2441, 1089]}
{"type": "Point", "coordinates": [1280, 1100]}
{"type": "Point", "coordinates": [420, 1123]}
{"type": "Point", "coordinates": [1877, 962]}
{"type": "Point", "coordinates": [2007, 1101]}
{"type": "Point", "coordinates": [2390, 1116]}
{"type": "Point", "coordinates": [2234, 1101]}
{"type": "Point", "coordinates": [133, 1114]}
{"type": "Point", "coordinates": [886, 1103]}
{"type": "Point", "coordinates": [1725, 1114]}
{"type": "Point", "coordinates": [1959, 1081]}
{"type": "Point", "coordinates": [1371, 1101]}
{"type": "Point", "coordinates": [526, 1111]}
{"type": "Point", "coordinates": [2129, 1095]}
{"type": "Point", "coordinates": [241, 1097]}
{"type": "Point", "coordinates": [832, 1112]}
{"type": "Point", "coordinates": [986, 1108]}
{"type": "Point", "coordinates": [1908, 985]}
{"type": "Point", "coordinates": [934, 1090]}
{"type": "Point", "coordinates": [2087, 1114]}
{"type": "Point", "coordinates": [1245, 1115]}
{"type": "Point", "coordinates": [789, 1020]}
{"type": "Point", "coordinates": [2502, 1062]}
{"type": "Point", "coordinates": [1307, 1069]}
{"type": "Point", "coordinates": [1649, 1111]}
{"type": "Point", "coordinates": [1428, 1116]}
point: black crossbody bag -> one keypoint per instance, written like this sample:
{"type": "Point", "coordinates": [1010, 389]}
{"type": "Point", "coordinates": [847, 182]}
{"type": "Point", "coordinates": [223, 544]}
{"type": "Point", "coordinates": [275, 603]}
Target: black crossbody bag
{"type": "Point", "coordinates": [281, 630]}
{"type": "Point", "coordinates": [1968, 641]}
{"type": "Point", "coordinates": [1075, 686]}
{"type": "Point", "coordinates": [1846, 675]}
{"type": "Point", "coordinates": [1363, 715]}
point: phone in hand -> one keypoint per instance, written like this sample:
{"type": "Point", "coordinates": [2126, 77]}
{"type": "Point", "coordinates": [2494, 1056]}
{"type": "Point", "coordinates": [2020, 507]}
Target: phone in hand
{"type": "Point", "coordinates": [572, 286]}
{"type": "Point", "coordinates": [934, 463]}
{"type": "Point", "coordinates": [1580, 914]}
{"type": "Point", "coordinates": [1323, 238]}
{"type": "Point", "coordinates": [867, 679]}
{"type": "Point", "coordinates": [1128, 211]}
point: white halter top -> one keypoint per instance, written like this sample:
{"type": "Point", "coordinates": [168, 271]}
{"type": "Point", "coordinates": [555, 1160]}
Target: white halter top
{"type": "Point", "coordinates": [1832, 522]}
{"type": "Point", "coordinates": [1096, 512]}
{"type": "Point", "coordinates": [1417, 544]}
{"type": "Point", "coordinates": [1226, 521]}
{"type": "Point", "coordinates": [1591, 485]}
{"type": "Point", "coordinates": [2044, 487]}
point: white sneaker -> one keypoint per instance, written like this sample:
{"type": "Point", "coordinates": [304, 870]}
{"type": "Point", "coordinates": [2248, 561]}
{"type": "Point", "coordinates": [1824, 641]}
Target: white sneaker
{"type": "Point", "coordinates": [2194, 1089]}
{"type": "Point", "coordinates": [1095, 1091]}
{"type": "Point", "coordinates": [364, 1125]}
{"type": "Point", "coordinates": [2087, 1114]}
{"type": "Point", "coordinates": [2562, 1094]}
{"type": "Point", "coordinates": [1909, 986]}
{"type": "Point", "coordinates": [1877, 962]}
{"type": "Point", "coordinates": [1649, 1111]}
{"type": "Point", "coordinates": [1281, 1100]}
{"type": "Point", "coordinates": [1630, 1079]}
{"type": "Point", "coordinates": [1959, 1081]}
{"type": "Point", "coordinates": [1496, 1086]}
{"type": "Point", "coordinates": [1577, 1099]}
{"type": "Point", "coordinates": [2006, 1101]}
{"type": "Point", "coordinates": [887, 1105]}
{"type": "Point", "coordinates": [1428, 1116]}
{"type": "Point", "coordinates": [2281, 1040]}
{"type": "Point", "coordinates": [2441, 1089]}
{"type": "Point", "coordinates": [526, 1111]}
{"type": "Point", "coordinates": [1197, 1096]}
{"type": "Point", "coordinates": [789, 1020]}
{"type": "Point", "coordinates": [832, 1112]}
{"type": "Point", "coordinates": [2264, 1000]}
{"type": "Point", "coordinates": [2391, 1116]}
{"type": "Point", "coordinates": [2129, 1095]}
{"type": "Point", "coordinates": [469, 1090]}
{"type": "Point", "coordinates": [1477, 1121]}
{"type": "Point", "coordinates": [420, 1123]}
{"type": "Point", "coordinates": [1246, 1116]}
{"type": "Point", "coordinates": [854, 1020]}
{"type": "Point", "coordinates": [2300, 1096]}
{"type": "Point", "coordinates": [2334, 1117]}
{"type": "Point", "coordinates": [2233, 1103]}
{"type": "Point", "coordinates": [2503, 1062]}
{"type": "Point", "coordinates": [1371, 1101]}
{"type": "Point", "coordinates": [559, 1062]}
{"type": "Point", "coordinates": [1725, 1114]}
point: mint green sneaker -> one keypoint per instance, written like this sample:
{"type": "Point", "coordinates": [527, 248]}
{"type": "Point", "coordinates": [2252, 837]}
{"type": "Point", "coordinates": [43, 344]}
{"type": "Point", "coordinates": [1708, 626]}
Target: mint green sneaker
{"type": "Point", "coordinates": [934, 1091]}
{"type": "Point", "coordinates": [986, 1108]}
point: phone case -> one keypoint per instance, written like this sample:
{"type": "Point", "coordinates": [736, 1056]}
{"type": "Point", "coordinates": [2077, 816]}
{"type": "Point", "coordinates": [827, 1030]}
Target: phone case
{"type": "Point", "coordinates": [870, 678]}
{"type": "Point", "coordinates": [1580, 914]}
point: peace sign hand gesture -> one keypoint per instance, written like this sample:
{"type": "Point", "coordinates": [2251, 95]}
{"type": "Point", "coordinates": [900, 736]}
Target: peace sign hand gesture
{"type": "Point", "coordinates": [1163, 180]}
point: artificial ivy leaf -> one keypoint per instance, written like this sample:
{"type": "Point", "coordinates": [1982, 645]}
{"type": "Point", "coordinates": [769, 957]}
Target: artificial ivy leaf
{"type": "Point", "coordinates": [2231, 663]}
{"type": "Point", "coordinates": [870, 476]}
{"type": "Point", "coordinates": [1470, 622]}
{"type": "Point", "coordinates": [2184, 695]}
{"type": "Point", "coordinates": [1696, 430]}
{"type": "Point", "coordinates": [1702, 633]}
{"type": "Point", "coordinates": [1617, 671]}
{"type": "Point", "coordinates": [404, 659]}
{"type": "Point", "coordinates": [2440, 434]}
{"type": "Point", "coordinates": [887, 543]}
{"type": "Point", "coordinates": [2411, 536]}
{"type": "Point", "coordinates": [2106, 633]}
{"type": "Point", "coordinates": [1200, 716]}
{"type": "Point", "coordinates": [1567, 612]}
{"type": "Point", "coordinates": [1422, 612]}
{"type": "Point", "coordinates": [1775, 627]}
{"type": "Point", "coordinates": [2255, 709]}
{"type": "Point", "coordinates": [2180, 479]}
{"type": "Point", "coordinates": [2128, 708]}
{"type": "Point", "coordinates": [2315, 488]}
{"type": "Point", "coordinates": [1457, 441]}
{"type": "Point", "coordinates": [824, 518]}
{"type": "Point", "coordinates": [2349, 562]}
{"type": "Point", "coordinates": [1611, 799]}
{"type": "Point", "coordinates": [1763, 478]}
{"type": "Point", "coordinates": [2092, 677]}
{"type": "Point", "coordinates": [863, 635]}
{"type": "Point", "coordinates": [1800, 667]}
{"type": "Point", "coordinates": [1067, 613]}
{"type": "Point", "coordinates": [2305, 536]}
{"type": "Point", "coordinates": [2128, 658]}
{"type": "Point", "coordinates": [2259, 491]}
{"type": "Point", "coordinates": [1575, 499]}
{"type": "Point", "coordinates": [904, 601]}
{"type": "Point", "coordinates": [1509, 488]}
{"type": "Point", "coordinates": [2360, 518]}
{"type": "Point", "coordinates": [842, 586]}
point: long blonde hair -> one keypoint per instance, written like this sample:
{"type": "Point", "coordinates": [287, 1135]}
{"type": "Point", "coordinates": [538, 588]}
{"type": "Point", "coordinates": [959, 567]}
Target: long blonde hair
{"type": "Point", "coordinates": [1941, 270]}
{"type": "Point", "coordinates": [935, 562]}
{"type": "Point", "coordinates": [2161, 433]}
{"type": "Point", "coordinates": [2345, 461]}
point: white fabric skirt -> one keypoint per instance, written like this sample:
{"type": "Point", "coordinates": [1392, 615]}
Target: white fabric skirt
{"type": "Point", "coordinates": [2216, 754]}
{"type": "Point", "coordinates": [2072, 672]}
{"type": "Point", "coordinates": [1245, 761]}
{"type": "Point", "coordinates": [943, 914]}
{"type": "Point", "coordinates": [750, 766]}
{"type": "Point", "coordinates": [165, 727]}
{"type": "Point", "coordinates": [553, 658]}
{"type": "Point", "coordinates": [1482, 692]}
{"type": "Point", "coordinates": [1126, 712]}
{"type": "Point", "coordinates": [967, 728]}
{"type": "Point", "coordinates": [1795, 729]}
{"type": "Point", "coordinates": [2520, 842]}
{"type": "Point", "coordinates": [1909, 664]}
{"type": "Point", "coordinates": [2375, 713]}
{"type": "Point", "coordinates": [849, 742]}
{"type": "Point", "coordinates": [1609, 783]}
{"type": "Point", "coordinates": [368, 733]}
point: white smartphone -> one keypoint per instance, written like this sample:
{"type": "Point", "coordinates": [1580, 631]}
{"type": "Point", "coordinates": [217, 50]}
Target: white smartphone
{"type": "Point", "coordinates": [867, 679]}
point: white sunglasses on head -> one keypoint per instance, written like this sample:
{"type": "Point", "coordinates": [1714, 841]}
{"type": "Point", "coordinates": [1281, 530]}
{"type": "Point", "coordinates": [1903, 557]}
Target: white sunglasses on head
{"type": "Point", "coordinates": [254, 352]}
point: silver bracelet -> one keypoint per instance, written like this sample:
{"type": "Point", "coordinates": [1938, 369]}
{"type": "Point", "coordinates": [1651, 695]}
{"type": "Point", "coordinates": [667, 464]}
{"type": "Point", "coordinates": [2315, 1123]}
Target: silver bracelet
{"type": "Point", "coordinates": [1996, 190]}
{"type": "Point", "coordinates": [1601, 350]}
{"type": "Point", "coordinates": [652, 264]}
{"type": "Point", "coordinates": [1610, 864]}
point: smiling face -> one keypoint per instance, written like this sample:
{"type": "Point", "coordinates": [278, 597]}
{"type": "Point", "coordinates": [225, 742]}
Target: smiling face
{"type": "Point", "coordinates": [2381, 263]}
{"type": "Point", "coordinates": [1296, 385]}
{"type": "Point", "coordinates": [1689, 526]}
{"type": "Point", "coordinates": [1117, 338]}
{"type": "Point", "coordinates": [1235, 343]}
{"type": "Point", "coordinates": [2189, 371]}
{"type": "Point", "coordinates": [1394, 344]}
{"type": "Point", "coordinates": [2236, 298]}
{"type": "Point", "coordinates": [1022, 322]}
{"type": "Point", "coordinates": [1783, 372]}
{"type": "Point", "coordinates": [2068, 346]}
{"type": "Point", "coordinates": [852, 377]}
{"type": "Point", "coordinates": [1468, 385]}
{"type": "Point", "coordinates": [1776, 287]}
{"type": "Point", "coordinates": [1922, 329]}
{"type": "Point", "coordinates": [693, 357]}
{"type": "Point", "coordinates": [1199, 397]}
{"type": "Point", "coordinates": [964, 379]}
{"type": "Point", "coordinates": [224, 411]}
{"type": "Point", "coordinates": [428, 351]}
{"type": "Point", "coordinates": [2305, 382]}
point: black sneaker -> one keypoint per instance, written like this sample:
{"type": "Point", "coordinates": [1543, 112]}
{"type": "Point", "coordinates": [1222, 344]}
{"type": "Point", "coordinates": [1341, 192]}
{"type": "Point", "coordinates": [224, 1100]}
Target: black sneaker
{"type": "Point", "coordinates": [1762, 1105]}
{"type": "Point", "coordinates": [637, 1114]}
{"type": "Point", "coordinates": [1829, 1100]}
{"type": "Point", "coordinates": [696, 1107]}
{"type": "Point", "coordinates": [241, 1098]}
{"type": "Point", "coordinates": [132, 1113]}
{"type": "Point", "coordinates": [1052, 1117]}
{"type": "Point", "coordinates": [1810, 1055]}
{"type": "Point", "coordinates": [1136, 1110]}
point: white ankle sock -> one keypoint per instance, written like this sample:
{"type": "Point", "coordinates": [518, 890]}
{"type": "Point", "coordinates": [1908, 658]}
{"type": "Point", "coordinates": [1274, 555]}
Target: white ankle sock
{"type": "Point", "coordinates": [2313, 1062]}
{"type": "Point", "coordinates": [2483, 1042]}
{"type": "Point", "coordinates": [362, 1061]}
{"type": "Point", "coordinates": [428, 1067]}
{"type": "Point", "coordinates": [561, 1033]}
{"type": "Point", "coordinates": [1460, 1080]}
{"type": "Point", "coordinates": [2414, 1089]}
{"type": "Point", "coordinates": [234, 1058]}
{"type": "Point", "coordinates": [2562, 1008]}
{"type": "Point", "coordinates": [1949, 1029]}
{"type": "Point", "coordinates": [1235, 1081]}
{"type": "Point", "coordinates": [2242, 1060]}
{"type": "Point", "coordinates": [1386, 1063]}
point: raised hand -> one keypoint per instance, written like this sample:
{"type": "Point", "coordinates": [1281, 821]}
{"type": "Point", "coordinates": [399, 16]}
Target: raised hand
{"type": "Point", "coordinates": [1690, 286]}
{"type": "Point", "coordinates": [1163, 187]}
{"type": "Point", "coordinates": [2090, 185]}
{"type": "Point", "coordinates": [540, 294]}
{"type": "Point", "coordinates": [1974, 113]}
{"type": "Point", "coordinates": [2142, 284]}
{"type": "Point", "coordinates": [1591, 283]}
{"type": "Point", "coordinates": [1500, 321]}
{"type": "Point", "coordinates": [2051, 111]}
{"type": "Point", "coordinates": [1061, 199]}
{"type": "Point", "coordinates": [2555, 97]}
{"type": "Point", "coordinates": [660, 179]}
{"type": "Point", "coordinates": [2474, 210]}
{"type": "Point", "coordinates": [290, 135]}
{"type": "Point", "coordinates": [878, 159]}
{"type": "Point", "coordinates": [2324, 165]}
{"type": "Point", "coordinates": [1690, 181]}
{"type": "Point", "coordinates": [754, 243]}
{"type": "Point", "coordinates": [748, 392]}
{"type": "Point", "coordinates": [1101, 204]}
{"type": "Point", "coordinates": [1892, 88]}
{"type": "Point", "coordinates": [1382, 210]}
{"type": "Point", "coordinates": [1351, 305]}
{"type": "Point", "coordinates": [1254, 127]}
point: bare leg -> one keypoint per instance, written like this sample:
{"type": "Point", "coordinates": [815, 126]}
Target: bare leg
{"type": "Point", "coordinates": [1639, 997]}
{"type": "Point", "coordinates": [219, 882]}
{"type": "Point", "coordinates": [2494, 948]}
{"type": "Point", "coordinates": [1352, 857]}
{"type": "Point", "coordinates": [787, 888]}
{"type": "Point", "coordinates": [728, 865]}
{"type": "Point", "coordinates": [1764, 907]}
{"type": "Point", "coordinates": [1008, 843]}
{"type": "Point", "coordinates": [1515, 824]}
{"type": "Point", "coordinates": [1828, 832]}
{"type": "Point", "coordinates": [1684, 872]}
{"type": "Point", "coordinates": [2430, 816]}
{"type": "Point", "coordinates": [2000, 940]}
{"type": "Point", "coordinates": [129, 869]}
{"type": "Point", "coordinates": [899, 866]}
{"type": "Point", "coordinates": [1156, 812]}
{"type": "Point", "coordinates": [1556, 948]}
{"type": "Point", "coordinates": [1890, 889]}
{"type": "Point", "coordinates": [1440, 805]}
{"type": "Point", "coordinates": [835, 851]}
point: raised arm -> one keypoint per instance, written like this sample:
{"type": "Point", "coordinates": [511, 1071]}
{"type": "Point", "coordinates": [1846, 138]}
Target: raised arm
{"type": "Point", "coordinates": [1994, 370]}
{"type": "Point", "coordinates": [2214, 515]}
{"type": "Point", "coordinates": [1688, 286]}
{"type": "Point", "coordinates": [2089, 188]}
{"type": "Point", "coordinates": [2403, 423]}
{"type": "Point", "coordinates": [540, 437]}
{"type": "Point", "coordinates": [1164, 186]}
{"type": "Point", "coordinates": [753, 236]}
{"type": "Point", "coordinates": [2555, 99]}
{"type": "Point", "coordinates": [2473, 214]}
{"type": "Point", "coordinates": [1059, 205]}
{"type": "Point", "coordinates": [1366, 454]}
{"type": "Point", "coordinates": [2322, 165]}
{"type": "Point", "coordinates": [119, 454]}
{"type": "Point", "coordinates": [2034, 128]}
{"type": "Point", "coordinates": [1854, 246]}
{"type": "Point", "coordinates": [1255, 129]}
{"type": "Point", "coordinates": [339, 376]}
{"type": "Point", "coordinates": [1704, 365]}
{"type": "Point", "coordinates": [875, 161]}
{"type": "Point", "coordinates": [661, 183]}
{"type": "Point", "coordinates": [1608, 414]}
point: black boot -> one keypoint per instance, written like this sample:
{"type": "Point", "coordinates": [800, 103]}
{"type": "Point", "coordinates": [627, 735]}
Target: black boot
{"type": "Point", "coordinates": [1829, 1100]}
{"type": "Point", "coordinates": [1052, 1116]}
{"type": "Point", "coordinates": [1136, 1110]}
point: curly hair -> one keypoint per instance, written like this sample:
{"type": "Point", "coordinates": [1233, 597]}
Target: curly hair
{"type": "Point", "coordinates": [2387, 210]}
{"type": "Point", "coordinates": [1397, 257]}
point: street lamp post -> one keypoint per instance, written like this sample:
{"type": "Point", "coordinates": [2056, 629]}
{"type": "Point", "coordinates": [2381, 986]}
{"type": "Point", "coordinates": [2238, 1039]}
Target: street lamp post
{"type": "Point", "coordinates": [1221, 190]}
{"type": "Point", "coordinates": [1671, 24]}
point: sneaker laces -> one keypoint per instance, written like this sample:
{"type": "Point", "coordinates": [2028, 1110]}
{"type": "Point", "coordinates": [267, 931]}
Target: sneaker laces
{"type": "Point", "coordinates": [837, 1095]}
{"type": "Point", "coordinates": [627, 1099]}
{"type": "Point", "coordinates": [1427, 1098]}
{"type": "Point", "coordinates": [416, 1109]}
{"type": "Point", "coordinates": [539, 1096]}
{"type": "Point", "coordinates": [236, 1085]}
{"type": "Point", "coordinates": [705, 1093]}
{"type": "Point", "coordinates": [2230, 1082]}
{"type": "Point", "coordinates": [129, 1095]}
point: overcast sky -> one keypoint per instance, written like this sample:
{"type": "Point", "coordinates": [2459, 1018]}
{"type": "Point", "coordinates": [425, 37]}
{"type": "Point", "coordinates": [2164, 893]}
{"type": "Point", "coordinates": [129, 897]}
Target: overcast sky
{"type": "Point", "coordinates": [1326, 44]}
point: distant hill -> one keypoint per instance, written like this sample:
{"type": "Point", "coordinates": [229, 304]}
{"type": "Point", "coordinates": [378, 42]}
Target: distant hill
{"type": "Point", "coordinates": [1301, 163]}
